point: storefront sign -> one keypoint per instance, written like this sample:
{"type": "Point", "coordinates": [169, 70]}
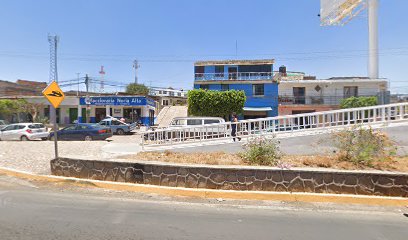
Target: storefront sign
{"type": "Point", "coordinates": [117, 101]}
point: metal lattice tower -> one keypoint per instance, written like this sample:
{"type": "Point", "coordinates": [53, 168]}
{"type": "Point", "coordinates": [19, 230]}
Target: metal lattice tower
{"type": "Point", "coordinates": [136, 66]}
{"type": "Point", "coordinates": [102, 85]}
{"type": "Point", "coordinates": [53, 40]}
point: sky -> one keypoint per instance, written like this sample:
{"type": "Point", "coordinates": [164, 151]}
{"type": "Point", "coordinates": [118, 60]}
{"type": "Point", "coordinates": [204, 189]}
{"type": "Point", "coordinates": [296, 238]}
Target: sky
{"type": "Point", "coordinates": [167, 36]}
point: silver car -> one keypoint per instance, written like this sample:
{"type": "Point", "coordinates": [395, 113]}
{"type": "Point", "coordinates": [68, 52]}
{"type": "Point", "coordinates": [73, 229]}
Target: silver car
{"type": "Point", "coordinates": [24, 132]}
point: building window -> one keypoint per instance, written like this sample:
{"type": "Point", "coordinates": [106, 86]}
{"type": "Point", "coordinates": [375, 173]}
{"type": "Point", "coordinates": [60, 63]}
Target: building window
{"type": "Point", "coordinates": [258, 89]}
{"type": "Point", "coordinates": [299, 94]}
{"type": "Point", "coordinates": [179, 94]}
{"type": "Point", "coordinates": [224, 87]}
{"type": "Point", "coordinates": [165, 102]}
{"type": "Point", "coordinates": [219, 71]}
{"type": "Point", "coordinates": [164, 92]}
{"type": "Point", "coordinates": [350, 92]}
{"type": "Point", "coordinates": [171, 93]}
{"type": "Point", "coordinates": [205, 86]}
{"type": "Point", "coordinates": [160, 92]}
{"type": "Point", "coordinates": [199, 71]}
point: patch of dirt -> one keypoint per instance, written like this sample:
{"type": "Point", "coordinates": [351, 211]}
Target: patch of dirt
{"type": "Point", "coordinates": [214, 158]}
{"type": "Point", "coordinates": [399, 164]}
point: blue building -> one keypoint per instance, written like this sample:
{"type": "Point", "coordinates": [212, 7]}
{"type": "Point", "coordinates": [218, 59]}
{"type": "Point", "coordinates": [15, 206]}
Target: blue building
{"type": "Point", "coordinates": [255, 77]}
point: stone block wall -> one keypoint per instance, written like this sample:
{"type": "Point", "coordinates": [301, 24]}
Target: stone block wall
{"type": "Point", "coordinates": [236, 178]}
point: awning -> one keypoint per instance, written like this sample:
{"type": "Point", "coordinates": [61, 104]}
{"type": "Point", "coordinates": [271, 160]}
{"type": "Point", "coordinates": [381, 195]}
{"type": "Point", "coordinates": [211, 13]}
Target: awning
{"type": "Point", "coordinates": [257, 109]}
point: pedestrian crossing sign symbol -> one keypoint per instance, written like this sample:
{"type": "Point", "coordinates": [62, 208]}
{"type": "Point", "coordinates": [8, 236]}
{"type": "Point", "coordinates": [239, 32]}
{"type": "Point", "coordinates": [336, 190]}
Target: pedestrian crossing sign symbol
{"type": "Point", "coordinates": [54, 94]}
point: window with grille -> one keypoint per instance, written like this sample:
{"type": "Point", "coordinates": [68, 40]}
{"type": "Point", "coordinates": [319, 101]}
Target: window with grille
{"type": "Point", "coordinates": [258, 89]}
{"type": "Point", "coordinates": [350, 91]}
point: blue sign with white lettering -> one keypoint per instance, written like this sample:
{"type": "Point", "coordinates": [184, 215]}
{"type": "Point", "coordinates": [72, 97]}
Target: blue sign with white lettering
{"type": "Point", "coordinates": [117, 101]}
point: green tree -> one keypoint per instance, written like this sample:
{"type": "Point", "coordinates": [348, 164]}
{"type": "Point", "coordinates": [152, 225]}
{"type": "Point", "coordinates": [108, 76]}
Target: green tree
{"type": "Point", "coordinates": [137, 89]}
{"type": "Point", "coordinates": [215, 103]}
{"type": "Point", "coordinates": [355, 102]}
{"type": "Point", "coordinates": [10, 107]}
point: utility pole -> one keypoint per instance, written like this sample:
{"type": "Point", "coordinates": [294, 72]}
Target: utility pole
{"type": "Point", "coordinates": [373, 70]}
{"type": "Point", "coordinates": [53, 40]}
{"type": "Point", "coordinates": [79, 109]}
{"type": "Point", "coordinates": [136, 66]}
{"type": "Point", "coordinates": [87, 100]}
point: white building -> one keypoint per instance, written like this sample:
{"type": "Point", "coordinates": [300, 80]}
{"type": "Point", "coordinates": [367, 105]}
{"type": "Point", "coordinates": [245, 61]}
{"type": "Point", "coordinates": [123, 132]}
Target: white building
{"type": "Point", "coordinates": [300, 95]}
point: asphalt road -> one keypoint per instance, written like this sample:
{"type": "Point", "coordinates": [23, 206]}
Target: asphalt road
{"type": "Point", "coordinates": [30, 211]}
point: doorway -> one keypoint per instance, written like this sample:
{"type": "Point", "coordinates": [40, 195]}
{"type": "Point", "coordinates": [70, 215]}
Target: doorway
{"type": "Point", "coordinates": [132, 114]}
{"type": "Point", "coordinates": [232, 73]}
{"type": "Point", "coordinates": [100, 114]}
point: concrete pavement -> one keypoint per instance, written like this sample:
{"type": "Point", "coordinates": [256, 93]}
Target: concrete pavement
{"type": "Point", "coordinates": [32, 211]}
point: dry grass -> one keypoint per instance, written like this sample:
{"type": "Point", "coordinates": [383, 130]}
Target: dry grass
{"type": "Point", "coordinates": [220, 158]}
{"type": "Point", "coordinates": [214, 158]}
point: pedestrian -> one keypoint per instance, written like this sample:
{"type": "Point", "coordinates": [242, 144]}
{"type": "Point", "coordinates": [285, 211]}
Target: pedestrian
{"type": "Point", "coordinates": [234, 126]}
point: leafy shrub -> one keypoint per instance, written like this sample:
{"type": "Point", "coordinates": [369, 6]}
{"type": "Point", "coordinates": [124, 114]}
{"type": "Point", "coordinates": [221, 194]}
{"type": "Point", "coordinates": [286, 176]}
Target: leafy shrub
{"type": "Point", "coordinates": [355, 102]}
{"type": "Point", "coordinates": [364, 146]}
{"type": "Point", "coordinates": [215, 103]}
{"type": "Point", "coordinates": [261, 151]}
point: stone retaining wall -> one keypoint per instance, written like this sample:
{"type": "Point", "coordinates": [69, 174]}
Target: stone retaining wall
{"type": "Point", "coordinates": [236, 178]}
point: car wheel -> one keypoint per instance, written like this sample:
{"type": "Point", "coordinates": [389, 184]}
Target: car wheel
{"type": "Point", "coordinates": [24, 138]}
{"type": "Point", "coordinates": [120, 132]}
{"type": "Point", "coordinates": [88, 138]}
{"type": "Point", "coordinates": [44, 139]}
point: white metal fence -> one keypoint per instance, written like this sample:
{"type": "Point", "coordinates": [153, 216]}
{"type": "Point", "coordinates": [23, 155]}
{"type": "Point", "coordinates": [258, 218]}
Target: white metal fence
{"type": "Point", "coordinates": [279, 124]}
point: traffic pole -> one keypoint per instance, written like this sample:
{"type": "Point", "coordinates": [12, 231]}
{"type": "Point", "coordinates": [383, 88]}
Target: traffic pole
{"type": "Point", "coordinates": [54, 119]}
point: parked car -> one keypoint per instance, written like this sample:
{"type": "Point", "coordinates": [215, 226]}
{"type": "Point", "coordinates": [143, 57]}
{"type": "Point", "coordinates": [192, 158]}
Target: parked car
{"type": "Point", "coordinates": [117, 126]}
{"type": "Point", "coordinates": [24, 132]}
{"type": "Point", "coordinates": [3, 123]}
{"type": "Point", "coordinates": [83, 132]}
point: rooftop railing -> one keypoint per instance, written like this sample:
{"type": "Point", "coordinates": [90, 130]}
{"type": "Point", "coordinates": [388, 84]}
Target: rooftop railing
{"type": "Point", "coordinates": [240, 76]}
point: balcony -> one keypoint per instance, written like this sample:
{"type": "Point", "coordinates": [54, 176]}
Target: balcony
{"type": "Point", "coordinates": [311, 100]}
{"type": "Point", "coordinates": [238, 76]}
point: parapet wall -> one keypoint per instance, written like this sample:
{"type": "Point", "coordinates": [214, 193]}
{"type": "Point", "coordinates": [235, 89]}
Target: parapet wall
{"type": "Point", "coordinates": [236, 178]}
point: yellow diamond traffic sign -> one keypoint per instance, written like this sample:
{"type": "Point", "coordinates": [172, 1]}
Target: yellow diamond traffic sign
{"type": "Point", "coordinates": [54, 94]}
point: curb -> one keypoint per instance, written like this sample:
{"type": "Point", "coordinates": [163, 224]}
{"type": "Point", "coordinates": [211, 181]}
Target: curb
{"type": "Point", "coordinates": [209, 193]}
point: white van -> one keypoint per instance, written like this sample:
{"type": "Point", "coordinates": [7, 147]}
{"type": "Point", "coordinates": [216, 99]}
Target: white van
{"type": "Point", "coordinates": [212, 127]}
{"type": "Point", "coordinates": [194, 121]}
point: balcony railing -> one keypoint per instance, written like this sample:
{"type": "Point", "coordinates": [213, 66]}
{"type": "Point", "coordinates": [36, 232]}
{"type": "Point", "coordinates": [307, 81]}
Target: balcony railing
{"type": "Point", "coordinates": [312, 100]}
{"type": "Point", "coordinates": [239, 76]}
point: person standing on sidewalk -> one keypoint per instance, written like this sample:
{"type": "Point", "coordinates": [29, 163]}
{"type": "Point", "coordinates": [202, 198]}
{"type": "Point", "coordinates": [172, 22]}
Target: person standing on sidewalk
{"type": "Point", "coordinates": [234, 126]}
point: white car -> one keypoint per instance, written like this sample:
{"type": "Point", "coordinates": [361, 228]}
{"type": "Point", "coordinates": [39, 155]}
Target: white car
{"type": "Point", "coordinates": [24, 132]}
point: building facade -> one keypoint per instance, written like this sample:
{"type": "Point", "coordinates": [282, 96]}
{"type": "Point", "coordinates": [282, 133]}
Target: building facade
{"type": "Point", "coordinates": [254, 77]}
{"type": "Point", "coordinates": [95, 108]}
{"type": "Point", "coordinates": [303, 94]}
{"type": "Point", "coordinates": [168, 96]}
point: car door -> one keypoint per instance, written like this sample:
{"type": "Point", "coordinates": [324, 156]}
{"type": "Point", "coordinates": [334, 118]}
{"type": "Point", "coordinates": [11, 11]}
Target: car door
{"type": "Point", "coordinates": [66, 133]}
{"type": "Point", "coordinates": [7, 132]}
{"type": "Point", "coordinates": [80, 132]}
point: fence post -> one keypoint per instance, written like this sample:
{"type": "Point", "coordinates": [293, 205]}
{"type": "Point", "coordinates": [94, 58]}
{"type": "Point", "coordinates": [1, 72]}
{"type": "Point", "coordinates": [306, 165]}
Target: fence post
{"type": "Point", "coordinates": [383, 114]}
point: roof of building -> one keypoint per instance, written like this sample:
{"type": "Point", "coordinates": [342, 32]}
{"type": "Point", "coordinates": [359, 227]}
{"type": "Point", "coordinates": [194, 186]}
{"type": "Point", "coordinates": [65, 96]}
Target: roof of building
{"type": "Point", "coordinates": [235, 62]}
